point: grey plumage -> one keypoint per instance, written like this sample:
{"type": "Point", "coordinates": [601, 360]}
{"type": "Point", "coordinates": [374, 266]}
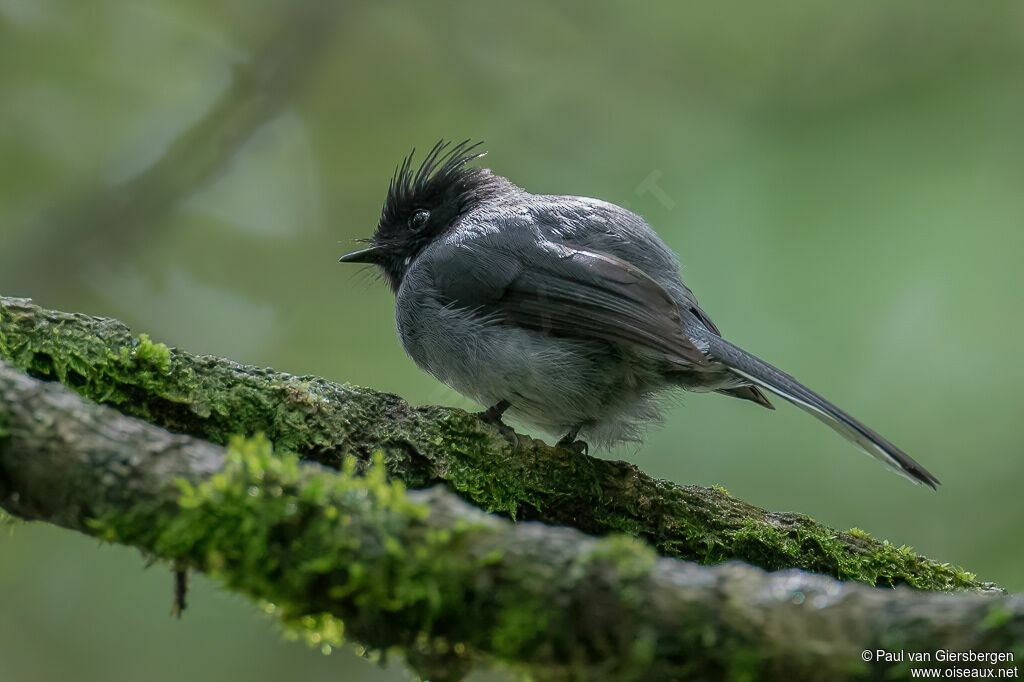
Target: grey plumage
{"type": "Point", "coordinates": [569, 312]}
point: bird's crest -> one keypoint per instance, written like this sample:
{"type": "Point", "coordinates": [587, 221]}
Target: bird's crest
{"type": "Point", "coordinates": [443, 168]}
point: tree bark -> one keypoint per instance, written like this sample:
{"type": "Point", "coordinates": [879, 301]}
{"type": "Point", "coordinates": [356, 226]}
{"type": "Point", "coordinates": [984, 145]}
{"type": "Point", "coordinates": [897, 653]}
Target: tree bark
{"type": "Point", "coordinates": [520, 477]}
{"type": "Point", "coordinates": [448, 585]}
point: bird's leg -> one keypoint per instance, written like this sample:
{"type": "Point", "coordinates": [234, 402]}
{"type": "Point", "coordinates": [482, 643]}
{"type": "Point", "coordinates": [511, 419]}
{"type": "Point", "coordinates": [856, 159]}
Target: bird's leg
{"type": "Point", "coordinates": [492, 415]}
{"type": "Point", "coordinates": [569, 442]}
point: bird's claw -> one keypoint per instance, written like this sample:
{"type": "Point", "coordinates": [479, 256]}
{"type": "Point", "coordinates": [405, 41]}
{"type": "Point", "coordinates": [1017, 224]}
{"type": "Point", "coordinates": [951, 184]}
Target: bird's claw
{"type": "Point", "coordinates": [580, 447]}
{"type": "Point", "coordinates": [492, 415]}
{"type": "Point", "coordinates": [509, 433]}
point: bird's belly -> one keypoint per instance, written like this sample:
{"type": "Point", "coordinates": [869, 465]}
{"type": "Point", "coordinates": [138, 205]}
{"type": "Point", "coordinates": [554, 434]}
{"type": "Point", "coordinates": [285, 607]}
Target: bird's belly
{"type": "Point", "coordinates": [551, 383]}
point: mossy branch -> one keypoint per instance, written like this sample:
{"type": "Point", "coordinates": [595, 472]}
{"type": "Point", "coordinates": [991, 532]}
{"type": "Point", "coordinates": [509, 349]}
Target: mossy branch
{"type": "Point", "coordinates": [215, 399]}
{"type": "Point", "coordinates": [449, 586]}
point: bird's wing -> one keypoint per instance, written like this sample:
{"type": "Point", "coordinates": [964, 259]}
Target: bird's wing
{"type": "Point", "coordinates": [565, 292]}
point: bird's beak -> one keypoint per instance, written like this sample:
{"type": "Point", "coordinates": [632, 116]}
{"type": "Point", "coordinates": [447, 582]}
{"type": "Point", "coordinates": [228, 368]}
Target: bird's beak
{"type": "Point", "coordinates": [369, 255]}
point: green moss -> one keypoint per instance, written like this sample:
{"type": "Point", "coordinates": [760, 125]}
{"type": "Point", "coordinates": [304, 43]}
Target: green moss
{"type": "Point", "coordinates": [744, 665]}
{"type": "Point", "coordinates": [754, 537]}
{"type": "Point", "coordinates": [8, 521]}
{"type": "Point", "coordinates": [206, 397]}
{"type": "Point", "coordinates": [274, 528]}
{"type": "Point", "coordinates": [498, 476]}
{"type": "Point", "coordinates": [519, 627]}
{"type": "Point", "coordinates": [115, 374]}
{"type": "Point", "coordinates": [473, 468]}
{"type": "Point", "coordinates": [214, 399]}
{"type": "Point", "coordinates": [299, 537]}
{"type": "Point", "coordinates": [480, 465]}
{"type": "Point", "coordinates": [629, 557]}
{"type": "Point", "coordinates": [148, 355]}
{"type": "Point", "coordinates": [818, 549]}
{"type": "Point", "coordinates": [998, 616]}
{"type": "Point", "coordinates": [321, 631]}
{"type": "Point", "coordinates": [621, 563]}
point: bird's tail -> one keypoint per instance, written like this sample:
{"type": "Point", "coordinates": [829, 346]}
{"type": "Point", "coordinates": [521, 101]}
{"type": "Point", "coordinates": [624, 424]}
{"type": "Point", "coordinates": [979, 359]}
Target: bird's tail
{"type": "Point", "coordinates": [762, 374]}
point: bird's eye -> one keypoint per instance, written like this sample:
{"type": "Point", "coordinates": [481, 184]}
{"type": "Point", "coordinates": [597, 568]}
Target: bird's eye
{"type": "Point", "coordinates": [418, 219]}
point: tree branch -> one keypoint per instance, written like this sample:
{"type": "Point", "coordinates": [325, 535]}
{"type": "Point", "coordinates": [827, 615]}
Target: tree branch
{"type": "Point", "coordinates": [451, 586]}
{"type": "Point", "coordinates": [129, 211]}
{"type": "Point", "coordinates": [214, 399]}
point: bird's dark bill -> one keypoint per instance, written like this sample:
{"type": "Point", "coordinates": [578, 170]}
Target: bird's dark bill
{"type": "Point", "coordinates": [370, 255]}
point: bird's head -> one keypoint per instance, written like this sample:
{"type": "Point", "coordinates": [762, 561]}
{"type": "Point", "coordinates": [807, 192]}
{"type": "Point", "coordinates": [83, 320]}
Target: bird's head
{"type": "Point", "coordinates": [422, 204]}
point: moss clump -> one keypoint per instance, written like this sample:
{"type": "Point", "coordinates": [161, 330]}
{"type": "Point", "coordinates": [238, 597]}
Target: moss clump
{"type": "Point", "coordinates": [482, 466]}
{"type": "Point", "coordinates": [68, 352]}
{"type": "Point", "coordinates": [292, 534]}
{"type": "Point", "coordinates": [629, 557]}
{"type": "Point", "coordinates": [473, 466]}
{"type": "Point", "coordinates": [147, 355]}
{"type": "Point", "coordinates": [855, 555]}
{"type": "Point", "coordinates": [210, 398]}
{"type": "Point", "coordinates": [311, 543]}
{"type": "Point", "coordinates": [521, 479]}
{"type": "Point", "coordinates": [266, 526]}
{"type": "Point", "coordinates": [520, 626]}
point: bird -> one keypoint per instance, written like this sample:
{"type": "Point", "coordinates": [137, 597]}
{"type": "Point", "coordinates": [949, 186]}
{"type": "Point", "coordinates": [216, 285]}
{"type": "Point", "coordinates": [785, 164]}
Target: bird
{"type": "Point", "coordinates": [567, 314]}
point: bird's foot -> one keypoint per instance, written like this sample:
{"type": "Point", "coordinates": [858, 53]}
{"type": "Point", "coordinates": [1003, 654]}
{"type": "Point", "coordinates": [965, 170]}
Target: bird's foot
{"type": "Point", "coordinates": [569, 442]}
{"type": "Point", "coordinates": [492, 415]}
{"type": "Point", "coordinates": [509, 433]}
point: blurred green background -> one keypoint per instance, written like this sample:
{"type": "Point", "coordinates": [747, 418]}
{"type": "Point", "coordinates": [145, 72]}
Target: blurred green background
{"type": "Point", "coordinates": [843, 182]}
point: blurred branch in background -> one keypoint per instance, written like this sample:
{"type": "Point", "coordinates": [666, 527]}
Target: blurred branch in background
{"type": "Point", "coordinates": [216, 399]}
{"type": "Point", "coordinates": [104, 224]}
{"type": "Point", "coordinates": [451, 588]}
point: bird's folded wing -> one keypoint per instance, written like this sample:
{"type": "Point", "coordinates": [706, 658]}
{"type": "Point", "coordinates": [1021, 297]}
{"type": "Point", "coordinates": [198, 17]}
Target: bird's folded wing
{"type": "Point", "coordinates": [565, 292]}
